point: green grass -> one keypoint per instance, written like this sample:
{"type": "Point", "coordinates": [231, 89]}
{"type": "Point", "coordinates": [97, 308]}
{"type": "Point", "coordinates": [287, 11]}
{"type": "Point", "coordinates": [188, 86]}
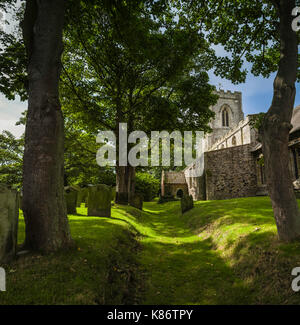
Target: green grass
{"type": "Point", "coordinates": [101, 270]}
{"type": "Point", "coordinates": [220, 252]}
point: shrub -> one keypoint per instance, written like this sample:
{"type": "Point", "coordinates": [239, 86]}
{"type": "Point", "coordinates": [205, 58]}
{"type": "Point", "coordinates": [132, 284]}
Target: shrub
{"type": "Point", "coordinates": [147, 185]}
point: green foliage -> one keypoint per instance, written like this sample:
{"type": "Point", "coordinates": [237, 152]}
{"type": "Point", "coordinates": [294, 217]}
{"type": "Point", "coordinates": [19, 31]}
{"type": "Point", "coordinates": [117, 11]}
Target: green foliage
{"type": "Point", "coordinates": [80, 159]}
{"type": "Point", "coordinates": [13, 61]}
{"type": "Point", "coordinates": [257, 120]}
{"type": "Point", "coordinates": [147, 185]}
{"type": "Point", "coordinates": [261, 161]}
{"type": "Point", "coordinates": [246, 29]}
{"type": "Point", "coordinates": [124, 64]}
{"type": "Point", "coordinates": [11, 159]}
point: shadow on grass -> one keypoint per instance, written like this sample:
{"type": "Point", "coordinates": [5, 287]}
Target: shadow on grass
{"type": "Point", "coordinates": [220, 252]}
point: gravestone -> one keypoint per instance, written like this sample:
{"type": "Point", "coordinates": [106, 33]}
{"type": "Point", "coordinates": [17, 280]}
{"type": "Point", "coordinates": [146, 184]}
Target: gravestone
{"type": "Point", "coordinates": [113, 193]}
{"type": "Point", "coordinates": [9, 215]}
{"type": "Point", "coordinates": [136, 201]}
{"type": "Point", "coordinates": [99, 201]}
{"type": "Point", "coordinates": [82, 196]}
{"type": "Point", "coordinates": [187, 203]}
{"type": "Point", "coordinates": [71, 199]}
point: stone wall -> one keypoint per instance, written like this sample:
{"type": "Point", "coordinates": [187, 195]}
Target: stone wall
{"type": "Point", "coordinates": [230, 173]}
{"type": "Point", "coordinates": [196, 185]}
{"type": "Point", "coordinates": [172, 182]}
{"type": "Point", "coordinates": [172, 189]}
{"type": "Point", "coordinates": [242, 134]}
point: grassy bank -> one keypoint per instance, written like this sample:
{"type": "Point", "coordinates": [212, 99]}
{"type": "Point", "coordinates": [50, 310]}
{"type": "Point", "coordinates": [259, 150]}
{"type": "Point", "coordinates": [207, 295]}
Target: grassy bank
{"type": "Point", "coordinates": [101, 270]}
{"type": "Point", "coordinates": [243, 233]}
{"type": "Point", "coordinates": [221, 252]}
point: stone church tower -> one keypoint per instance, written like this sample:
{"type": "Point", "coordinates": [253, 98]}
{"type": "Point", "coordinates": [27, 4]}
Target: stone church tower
{"type": "Point", "coordinates": [228, 113]}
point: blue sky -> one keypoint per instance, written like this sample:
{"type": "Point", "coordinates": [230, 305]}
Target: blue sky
{"type": "Point", "coordinates": [257, 92]}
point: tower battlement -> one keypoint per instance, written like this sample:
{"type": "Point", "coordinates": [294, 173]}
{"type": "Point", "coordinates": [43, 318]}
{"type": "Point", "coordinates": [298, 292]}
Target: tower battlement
{"type": "Point", "coordinates": [229, 94]}
{"type": "Point", "coordinates": [228, 114]}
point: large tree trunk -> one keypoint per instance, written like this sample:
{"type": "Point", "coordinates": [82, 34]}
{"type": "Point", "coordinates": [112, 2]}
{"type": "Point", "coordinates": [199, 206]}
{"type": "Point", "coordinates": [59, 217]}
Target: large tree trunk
{"type": "Point", "coordinates": [125, 175]}
{"type": "Point", "coordinates": [44, 208]}
{"type": "Point", "coordinates": [275, 131]}
{"type": "Point", "coordinates": [125, 179]}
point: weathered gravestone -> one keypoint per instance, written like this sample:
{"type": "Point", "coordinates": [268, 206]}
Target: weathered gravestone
{"type": "Point", "coordinates": [9, 215]}
{"type": "Point", "coordinates": [113, 193]}
{"type": "Point", "coordinates": [99, 201]}
{"type": "Point", "coordinates": [71, 199]}
{"type": "Point", "coordinates": [187, 203]}
{"type": "Point", "coordinates": [82, 196]}
{"type": "Point", "coordinates": [136, 201]}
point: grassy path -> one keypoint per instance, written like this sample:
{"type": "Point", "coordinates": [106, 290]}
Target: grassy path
{"type": "Point", "coordinates": [235, 259]}
{"type": "Point", "coordinates": [180, 267]}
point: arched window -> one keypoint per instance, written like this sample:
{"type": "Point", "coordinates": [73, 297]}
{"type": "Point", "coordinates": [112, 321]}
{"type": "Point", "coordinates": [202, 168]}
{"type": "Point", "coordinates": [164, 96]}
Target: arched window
{"type": "Point", "coordinates": [225, 117]}
{"type": "Point", "coordinates": [234, 141]}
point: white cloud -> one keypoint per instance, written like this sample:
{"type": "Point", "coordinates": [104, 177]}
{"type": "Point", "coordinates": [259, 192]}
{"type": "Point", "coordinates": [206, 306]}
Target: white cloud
{"type": "Point", "coordinates": [10, 125]}
{"type": "Point", "coordinates": [10, 113]}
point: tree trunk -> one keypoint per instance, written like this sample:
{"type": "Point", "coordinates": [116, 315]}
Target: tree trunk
{"type": "Point", "coordinates": [275, 131]}
{"type": "Point", "coordinates": [44, 207]}
{"type": "Point", "coordinates": [125, 179]}
{"type": "Point", "coordinates": [125, 175]}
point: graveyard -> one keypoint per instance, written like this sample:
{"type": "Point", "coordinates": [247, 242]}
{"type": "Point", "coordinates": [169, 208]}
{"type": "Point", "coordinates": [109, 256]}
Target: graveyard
{"type": "Point", "coordinates": [149, 153]}
{"type": "Point", "coordinates": [220, 252]}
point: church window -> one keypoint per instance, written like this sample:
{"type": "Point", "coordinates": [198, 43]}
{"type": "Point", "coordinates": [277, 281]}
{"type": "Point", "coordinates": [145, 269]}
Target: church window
{"type": "Point", "coordinates": [225, 117]}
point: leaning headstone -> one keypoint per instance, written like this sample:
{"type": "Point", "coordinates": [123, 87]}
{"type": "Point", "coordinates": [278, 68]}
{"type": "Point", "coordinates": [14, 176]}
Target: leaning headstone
{"type": "Point", "coordinates": [113, 193]}
{"type": "Point", "coordinates": [82, 196]}
{"type": "Point", "coordinates": [99, 201]}
{"type": "Point", "coordinates": [71, 199]}
{"type": "Point", "coordinates": [9, 215]}
{"type": "Point", "coordinates": [136, 201]}
{"type": "Point", "coordinates": [121, 198]}
{"type": "Point", "coordinates": [187, 203]}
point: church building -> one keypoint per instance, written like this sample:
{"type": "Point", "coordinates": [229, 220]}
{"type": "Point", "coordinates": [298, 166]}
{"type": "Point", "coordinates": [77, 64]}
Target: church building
{"type": "Point", "coordinates": [233, 161]}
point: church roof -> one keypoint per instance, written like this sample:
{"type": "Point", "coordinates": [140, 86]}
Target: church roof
{"type": "Point", "coordinates": [296, 120]}
{"type": "Point", "coordinates": [175, 178]}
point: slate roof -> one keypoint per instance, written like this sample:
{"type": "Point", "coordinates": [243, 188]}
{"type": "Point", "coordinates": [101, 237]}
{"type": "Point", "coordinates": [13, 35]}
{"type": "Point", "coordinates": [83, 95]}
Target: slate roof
{"type": "Point", "coordinates": [175, 178]}
{"type": "Point", "coordinates": [296, 120]}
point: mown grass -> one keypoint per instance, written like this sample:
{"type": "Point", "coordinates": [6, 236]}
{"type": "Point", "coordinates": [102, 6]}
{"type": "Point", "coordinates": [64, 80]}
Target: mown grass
{"type": "Point", "coordinates": [243, 233]}
{"type": "Point", "coordinates": [221, 252]}
{"type": "Point", "coordinates": [101, 270]}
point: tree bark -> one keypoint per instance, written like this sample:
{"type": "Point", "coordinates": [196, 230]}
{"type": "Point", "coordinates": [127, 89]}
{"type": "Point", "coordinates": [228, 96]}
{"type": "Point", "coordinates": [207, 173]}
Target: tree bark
{"type": "Point", "coordinates": [125, 180]}
{"type": "Point", "coordinates": [275, 131]}
{"type": "Point", "coordinates": [44, 206]}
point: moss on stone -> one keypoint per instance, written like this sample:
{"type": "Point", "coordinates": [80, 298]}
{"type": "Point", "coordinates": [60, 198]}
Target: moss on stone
{"type": "Point", "coordinates": [71, 199]}
{"type": "Point", "coordinates": [136, 201]}
{"type": "Point", "coordinates": [187, 203]}
{"type": "Point", "coordinates": [99, 201]}
{"type": "Point", "coordinates": [9, 215]}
